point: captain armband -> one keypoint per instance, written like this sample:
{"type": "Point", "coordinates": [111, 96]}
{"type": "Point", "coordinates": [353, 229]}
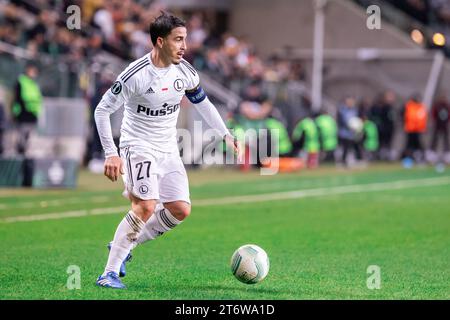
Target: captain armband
{"type": "Point", "coordinates": [196, 95]}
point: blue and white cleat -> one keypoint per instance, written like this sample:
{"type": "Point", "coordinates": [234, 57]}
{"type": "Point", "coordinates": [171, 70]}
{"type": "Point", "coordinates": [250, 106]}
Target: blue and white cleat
{"type": "Point", "coordinates": [111, 280]}
{"type": "Point", "coordinates": [123, 271]}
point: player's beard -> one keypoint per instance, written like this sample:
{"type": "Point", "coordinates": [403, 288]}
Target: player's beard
{"type": "Point", "coordinates": [177, 60]}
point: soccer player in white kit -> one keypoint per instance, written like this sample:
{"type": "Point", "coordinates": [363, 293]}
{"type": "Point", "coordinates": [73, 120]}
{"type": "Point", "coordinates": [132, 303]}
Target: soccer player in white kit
{"type": "Point", "coordinates": [151, 89]}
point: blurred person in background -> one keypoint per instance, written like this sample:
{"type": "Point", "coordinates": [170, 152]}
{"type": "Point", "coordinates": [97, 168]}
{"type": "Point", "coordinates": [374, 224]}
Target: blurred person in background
{"type": "Point", "coordinates": [306, 137]}
{"type": "Point", "coordinates": [104, 20]}
{"type": "Point", "coordinates": [278, 133]}
{"type": "Point", "coordinates": [196, 37]}
{"type": "Point", "coordinates": [2, 126]}
{"type": "Point", "coordinates": [104, 80]}
{"type": "Point", "coordinates": [218, 64]}
{"type": "Point", "coordinates": [93, 46]}
{"type": "Point", "coordinates": [42, 35]}
{"type": "Point", "coordinates": [255, 107]}
{"type": "Point", "coordinates": [253, 111]}
{"type": "Point", "coordinates": [440, 115]}
{"type": "Point", "coordinates": [350, 129]}
{"type": "Point", "coordinates": [382, 114]}
{"type": "Point", "coordinates": [327, 129]}
{"type": "Point", "coordinates": [370, 139]}
{"type": "Point", "coordinates": [415, 124]}
{"type": "Point", "coordinates": [27, 106]}
{"type": "Point", "coordinates": [10, 24]}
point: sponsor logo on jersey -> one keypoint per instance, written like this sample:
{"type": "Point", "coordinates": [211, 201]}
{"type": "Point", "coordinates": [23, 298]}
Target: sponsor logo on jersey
{"type": "Point", "coordinates": [116, 88]}
{"type": "Point", "coordinates": [150, 90]}
{"type": "Point", "coordinates": [165, 110]}
{"type": "Point", "coordinates": [178, 84]}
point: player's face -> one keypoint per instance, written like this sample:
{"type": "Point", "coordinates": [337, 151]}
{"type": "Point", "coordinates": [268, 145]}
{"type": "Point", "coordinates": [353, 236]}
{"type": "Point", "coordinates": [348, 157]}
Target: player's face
{"type": "Point", "coordinates": [174, 45]}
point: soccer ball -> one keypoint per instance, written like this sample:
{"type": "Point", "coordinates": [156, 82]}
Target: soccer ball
{"type": "Point", "coordinates": [356, 125]}
{"type": "Point", "coordinates": [250, 264]}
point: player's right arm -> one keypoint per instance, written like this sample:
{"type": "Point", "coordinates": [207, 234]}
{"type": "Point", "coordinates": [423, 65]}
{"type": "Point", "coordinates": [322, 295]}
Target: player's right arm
{"type": "Point", "coordinates": [111, 101]}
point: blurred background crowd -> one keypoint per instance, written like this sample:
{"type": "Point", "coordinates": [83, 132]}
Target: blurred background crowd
{"type": "Point", "coordinates": [36, 44]}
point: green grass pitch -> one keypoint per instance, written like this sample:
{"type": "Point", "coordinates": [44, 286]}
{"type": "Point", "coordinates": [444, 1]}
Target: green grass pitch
{"type": "Point", "coordinates": [322, 229]}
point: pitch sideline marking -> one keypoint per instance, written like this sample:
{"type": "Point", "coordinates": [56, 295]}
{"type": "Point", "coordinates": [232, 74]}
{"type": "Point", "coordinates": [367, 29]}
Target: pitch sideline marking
{"type": "Point", "coordinates": [296, 194]}
{"type": "Point", "coordinates": [54, 203]}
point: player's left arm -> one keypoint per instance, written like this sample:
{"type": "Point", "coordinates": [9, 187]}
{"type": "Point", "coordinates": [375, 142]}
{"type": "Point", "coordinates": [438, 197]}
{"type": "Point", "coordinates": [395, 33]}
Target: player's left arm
{"type": "Point", "coordinates": [211, 116]}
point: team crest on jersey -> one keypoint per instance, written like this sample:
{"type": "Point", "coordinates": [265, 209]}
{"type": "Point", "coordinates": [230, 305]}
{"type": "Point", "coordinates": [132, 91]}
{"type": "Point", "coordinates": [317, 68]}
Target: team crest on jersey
{"type": "Point", "coordinates": [116, 87]}
{"type": "Point", "coordinates": [178, 84]}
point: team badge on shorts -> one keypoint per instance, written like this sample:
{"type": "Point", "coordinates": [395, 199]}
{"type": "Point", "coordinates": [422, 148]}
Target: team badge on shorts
{"type": "Point", "coordinates": [143, 189]}
{"type": "Point", "coordinates": [116, 87]}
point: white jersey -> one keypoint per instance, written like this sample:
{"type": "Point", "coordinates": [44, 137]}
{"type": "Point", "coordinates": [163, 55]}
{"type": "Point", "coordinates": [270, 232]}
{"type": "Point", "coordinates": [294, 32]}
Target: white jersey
{"type": "Point", "coordinates": [151, 98]}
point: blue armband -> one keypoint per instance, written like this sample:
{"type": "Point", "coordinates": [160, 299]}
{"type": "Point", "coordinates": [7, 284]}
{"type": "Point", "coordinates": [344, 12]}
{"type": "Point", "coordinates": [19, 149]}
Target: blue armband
{"type": "Point", "coordinates": [196, 96]}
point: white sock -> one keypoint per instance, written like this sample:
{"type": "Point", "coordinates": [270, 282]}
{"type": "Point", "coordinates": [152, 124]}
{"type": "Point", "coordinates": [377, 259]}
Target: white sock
{"type": "Point", "coordinates": [159, 223]}
{"type": "Point", "coordinates": [124, 238]}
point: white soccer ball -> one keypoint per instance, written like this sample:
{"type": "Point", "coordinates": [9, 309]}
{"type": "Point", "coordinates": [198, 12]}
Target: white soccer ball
{"type": "Point", "coordinates": [356, 125]}
{"type": "Point", "coordinates": [250, 264]}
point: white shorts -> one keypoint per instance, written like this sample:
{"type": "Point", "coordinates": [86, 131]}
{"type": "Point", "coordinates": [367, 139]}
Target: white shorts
{"type": "Point", "coordinates": [151, 174]}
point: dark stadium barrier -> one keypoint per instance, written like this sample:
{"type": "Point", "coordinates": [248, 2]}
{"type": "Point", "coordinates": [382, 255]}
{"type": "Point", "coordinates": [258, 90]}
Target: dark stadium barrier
{"type": "Point", "coordinates": [38, 173]}
{"type": "Point", "coordinates": [11, 172]}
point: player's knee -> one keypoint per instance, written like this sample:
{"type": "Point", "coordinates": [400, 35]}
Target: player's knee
{"type": "Point", "coordinates": [148, 208]}
{"type": "Point", "coordinates": [144, 209]}
{"type": "Point", "coordinates": [180, 210]}
{"type": "Point", "coordinates": [184, 212]}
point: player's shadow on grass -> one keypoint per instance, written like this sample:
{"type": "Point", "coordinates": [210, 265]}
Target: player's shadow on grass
{"type": "Point", "coordinates": [238, 287]}
{"type": "Point", "coordinates": [209, 289]}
